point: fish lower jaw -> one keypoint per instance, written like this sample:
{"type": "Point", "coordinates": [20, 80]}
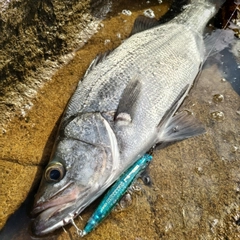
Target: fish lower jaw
{"type": "Point", "coordinates": [52, 218]}
{"type": "Point", "coordinates": [50, 214]}
{"type": "Point", "coordinates": [61, 223]}
{"type": "Point", "coordinates": [59, 201]}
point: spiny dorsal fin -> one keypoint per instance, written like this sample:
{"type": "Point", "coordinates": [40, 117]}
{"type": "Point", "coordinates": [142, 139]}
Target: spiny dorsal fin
{"type": "Point", "coordinates": [128, 100]}
{"type": "Point", "coordinates": [143, 23]}
{"type": "Point", "coordinates": [99, 58]}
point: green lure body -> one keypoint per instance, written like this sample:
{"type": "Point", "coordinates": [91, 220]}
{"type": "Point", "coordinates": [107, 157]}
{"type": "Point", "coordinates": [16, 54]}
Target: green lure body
{"type": "Point", "coordinates": [115, 193]}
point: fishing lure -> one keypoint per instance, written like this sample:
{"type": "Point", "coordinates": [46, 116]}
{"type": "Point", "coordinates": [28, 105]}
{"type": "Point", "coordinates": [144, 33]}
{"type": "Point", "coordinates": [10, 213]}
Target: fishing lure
{"type": "Point", "coordinates": [115, 193]}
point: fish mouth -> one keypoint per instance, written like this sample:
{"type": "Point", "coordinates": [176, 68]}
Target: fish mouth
{"type": "Point", "coordinates": [57, 211]}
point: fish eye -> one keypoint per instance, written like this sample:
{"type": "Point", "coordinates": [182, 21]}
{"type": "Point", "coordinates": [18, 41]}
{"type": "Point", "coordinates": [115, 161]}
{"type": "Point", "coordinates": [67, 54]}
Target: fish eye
{"type": "Point", "coordinates": [54, 172]}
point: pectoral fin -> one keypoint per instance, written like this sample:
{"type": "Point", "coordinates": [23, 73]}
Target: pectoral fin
{"type": "Point", "coordinates": [128, 100]}
{"type": "Point", "coordinates": [181, 126]}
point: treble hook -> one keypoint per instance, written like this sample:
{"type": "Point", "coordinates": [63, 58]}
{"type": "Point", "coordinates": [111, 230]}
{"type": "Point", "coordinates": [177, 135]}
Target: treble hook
{"type": "Point", "coordinates": [79, 231]}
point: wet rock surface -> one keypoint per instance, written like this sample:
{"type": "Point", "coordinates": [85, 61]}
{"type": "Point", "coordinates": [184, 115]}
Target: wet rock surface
{"type": "Point", "coordinates": [38, 37]}
{"type": "Point", "coordinates": [195, 190]}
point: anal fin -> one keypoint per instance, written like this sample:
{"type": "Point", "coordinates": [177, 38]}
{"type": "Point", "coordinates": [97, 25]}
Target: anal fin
{"type": "Point", "coordinates": [181, 126]}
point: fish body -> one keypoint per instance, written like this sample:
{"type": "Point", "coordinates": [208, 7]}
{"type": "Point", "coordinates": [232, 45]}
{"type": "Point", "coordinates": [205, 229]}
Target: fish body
{"type": "Point", "coordinates": [116, 192]}
{"type": "Point", "coordinates": [124, 105]}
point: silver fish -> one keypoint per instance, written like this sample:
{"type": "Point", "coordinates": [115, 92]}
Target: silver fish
{"type": "Point", "coordinates": [124, 105]}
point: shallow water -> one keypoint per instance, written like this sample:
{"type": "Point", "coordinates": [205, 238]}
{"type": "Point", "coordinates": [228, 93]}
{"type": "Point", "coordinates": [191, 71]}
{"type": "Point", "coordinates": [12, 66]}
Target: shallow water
{"type": "Point", "coordinates": [195, 190]}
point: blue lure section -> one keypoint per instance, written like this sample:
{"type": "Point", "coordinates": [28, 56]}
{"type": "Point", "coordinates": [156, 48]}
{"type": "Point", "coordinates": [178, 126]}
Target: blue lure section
{"type": "Point", "coordinates": [115, 193]}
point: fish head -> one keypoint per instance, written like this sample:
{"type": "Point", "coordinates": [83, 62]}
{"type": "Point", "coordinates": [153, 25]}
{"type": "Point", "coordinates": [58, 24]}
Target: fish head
{"type": "Point", "coordinates": [81, 168]}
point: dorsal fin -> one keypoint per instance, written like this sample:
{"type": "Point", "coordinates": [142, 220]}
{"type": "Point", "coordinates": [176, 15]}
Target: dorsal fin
{"type": "Point", "coordinates": [176, 8]}
{"type": "Point", "coordinates": [99, 58]}
{"type": "Point", "coordinates": [143, 23]}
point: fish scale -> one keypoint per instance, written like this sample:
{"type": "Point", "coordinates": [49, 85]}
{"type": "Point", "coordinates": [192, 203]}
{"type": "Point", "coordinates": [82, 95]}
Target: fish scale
{"type": "Point", "coordinates": [95, 80]}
